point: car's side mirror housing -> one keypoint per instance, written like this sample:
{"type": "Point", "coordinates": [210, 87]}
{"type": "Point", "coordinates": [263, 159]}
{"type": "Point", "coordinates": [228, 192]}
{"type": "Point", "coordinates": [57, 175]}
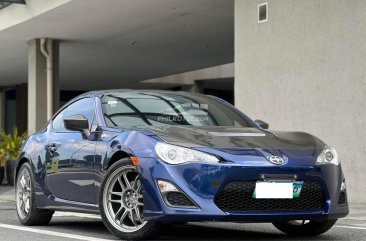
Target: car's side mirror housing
{"type": "Point", "coordinates": [77, 123]}
{"type": "Point", "coordinates": [262, 124]}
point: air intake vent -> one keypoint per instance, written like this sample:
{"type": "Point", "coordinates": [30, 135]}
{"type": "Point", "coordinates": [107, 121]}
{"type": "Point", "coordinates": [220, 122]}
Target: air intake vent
{"type": "Point", "coordinates": [237, 197]}
{"type": "Point", "coordinates": [177, 199]}
{"type": "Point", "coordinates": [342, 198]}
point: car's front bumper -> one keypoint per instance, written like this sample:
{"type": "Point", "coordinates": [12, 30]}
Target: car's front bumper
{"type": "Point", "coordinates": [202, 182]}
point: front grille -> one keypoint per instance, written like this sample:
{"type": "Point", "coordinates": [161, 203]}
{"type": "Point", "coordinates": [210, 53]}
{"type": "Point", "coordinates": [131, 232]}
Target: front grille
{"type": "Point", "coordinates": [237, 196]}
{"type": "Point", "coordinates": [342, 198]}
{"type": "Point", "coordinates": [177, 199]}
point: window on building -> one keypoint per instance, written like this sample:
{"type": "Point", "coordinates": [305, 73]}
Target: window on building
{"type": "Point", "coordinates": [262, 12]}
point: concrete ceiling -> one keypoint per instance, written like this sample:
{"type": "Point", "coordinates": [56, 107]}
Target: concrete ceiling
{"type": "Point", "coordinates": [116, 43]}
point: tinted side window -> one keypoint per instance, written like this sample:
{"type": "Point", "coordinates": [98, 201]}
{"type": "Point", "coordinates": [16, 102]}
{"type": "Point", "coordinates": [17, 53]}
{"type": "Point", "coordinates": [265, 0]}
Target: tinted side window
{"type": "Point", "coordinates": [58, 123]}
{"type": "Point", "coordinates": [83, 107]}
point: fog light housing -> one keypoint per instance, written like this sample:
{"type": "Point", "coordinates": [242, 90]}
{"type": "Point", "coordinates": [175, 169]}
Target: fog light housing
{"type": "Point", "coordinates": [174, 197]}
{"type": "Point", "coordinates": [165, 187]}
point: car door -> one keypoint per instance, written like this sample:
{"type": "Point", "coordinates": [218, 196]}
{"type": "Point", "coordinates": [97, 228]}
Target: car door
{"type": "Point", "coordinates": [70, 156]}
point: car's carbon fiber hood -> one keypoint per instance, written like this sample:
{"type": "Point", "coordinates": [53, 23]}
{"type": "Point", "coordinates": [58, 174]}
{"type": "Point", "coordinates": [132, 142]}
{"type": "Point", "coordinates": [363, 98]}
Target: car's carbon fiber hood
{"type": "Point", "coordinates": [235, 137]}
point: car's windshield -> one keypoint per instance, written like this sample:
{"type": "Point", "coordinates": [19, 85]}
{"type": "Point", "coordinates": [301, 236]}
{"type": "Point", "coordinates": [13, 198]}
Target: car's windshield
{"type": "Point", "coordinates": [149, 108]}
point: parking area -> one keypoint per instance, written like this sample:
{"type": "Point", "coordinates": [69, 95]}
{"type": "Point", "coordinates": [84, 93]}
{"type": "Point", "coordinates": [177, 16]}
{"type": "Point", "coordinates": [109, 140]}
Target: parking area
{"type": "Point", "coordinates": [77, 226]}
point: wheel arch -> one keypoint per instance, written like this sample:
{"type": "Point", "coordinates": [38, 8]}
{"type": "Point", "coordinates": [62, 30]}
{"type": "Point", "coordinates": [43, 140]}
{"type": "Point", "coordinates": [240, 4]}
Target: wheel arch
{"type": "Point", "coordinates": [118, 155]}
{"type": "Point", "coordinates": [22, 159]}
{"type": "Point", "coordinates": [117, 152]}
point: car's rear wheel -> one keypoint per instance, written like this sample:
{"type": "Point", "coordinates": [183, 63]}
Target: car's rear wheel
{"type": "Point", "coordinates": [27, 211]}
{"type": "Point", "coordinates": [121, 203]}
{"type": "Point", "coordinates": [305, 227]}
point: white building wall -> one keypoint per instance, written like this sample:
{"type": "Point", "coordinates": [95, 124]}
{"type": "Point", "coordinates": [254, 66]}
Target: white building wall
{"type": "Point", "coordinates": [305, 69]}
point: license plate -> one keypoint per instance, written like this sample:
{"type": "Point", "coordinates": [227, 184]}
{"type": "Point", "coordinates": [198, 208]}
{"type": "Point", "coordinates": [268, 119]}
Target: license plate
{"type": "Point", "coordinates": [277, 190]}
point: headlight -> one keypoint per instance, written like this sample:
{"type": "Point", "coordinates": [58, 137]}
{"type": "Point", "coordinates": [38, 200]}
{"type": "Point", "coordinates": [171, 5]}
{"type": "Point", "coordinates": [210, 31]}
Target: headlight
{"type": "Point", "coordinates": [177, 155]}
{"type": "Point", "coordinates": [328, 156]}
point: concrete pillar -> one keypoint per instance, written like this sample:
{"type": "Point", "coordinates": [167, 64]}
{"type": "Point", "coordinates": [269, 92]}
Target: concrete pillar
{"type": "Point", "coordinates": [2, 109]}
{"type": "Point", "coordinates": [37, 84]}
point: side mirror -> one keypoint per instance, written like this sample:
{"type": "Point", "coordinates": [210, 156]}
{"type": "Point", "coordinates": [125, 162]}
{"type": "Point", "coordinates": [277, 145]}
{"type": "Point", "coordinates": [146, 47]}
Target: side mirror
{"type": "Point", "coordinates": [262, 124]}
{"type": "Point", "coordinates": [77, 123]}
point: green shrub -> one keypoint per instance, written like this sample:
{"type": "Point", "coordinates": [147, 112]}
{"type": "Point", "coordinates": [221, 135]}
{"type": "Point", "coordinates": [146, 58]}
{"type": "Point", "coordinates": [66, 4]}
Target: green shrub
{"type": "Point", "coordinates": [11, 144]}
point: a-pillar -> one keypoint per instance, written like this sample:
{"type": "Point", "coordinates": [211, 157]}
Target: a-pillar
{"type": "Point", "coordinates": [38, 69]}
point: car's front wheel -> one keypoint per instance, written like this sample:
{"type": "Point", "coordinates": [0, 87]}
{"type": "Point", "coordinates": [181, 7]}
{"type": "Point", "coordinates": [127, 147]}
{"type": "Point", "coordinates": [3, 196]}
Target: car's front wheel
{"type": "Point", "coordinates": [25, 195]}
{"type": "Point", "coordinates": [121, 203]}
{"type": "Point", "coordinates": [305, 227]}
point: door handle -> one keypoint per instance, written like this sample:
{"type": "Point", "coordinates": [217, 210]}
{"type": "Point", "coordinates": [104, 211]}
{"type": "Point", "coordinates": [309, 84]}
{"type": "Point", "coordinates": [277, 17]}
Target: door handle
{"type": "Point", "coordinates": [52, 150]}
{"type": "Point", "coordinates": [52, 147]}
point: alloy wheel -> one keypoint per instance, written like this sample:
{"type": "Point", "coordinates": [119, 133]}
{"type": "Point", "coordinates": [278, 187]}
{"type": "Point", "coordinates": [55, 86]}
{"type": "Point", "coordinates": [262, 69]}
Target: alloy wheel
{"type": "Point", "coordinates": [23, 193]}
{"type": "Point", "coordinates": [123, 200]}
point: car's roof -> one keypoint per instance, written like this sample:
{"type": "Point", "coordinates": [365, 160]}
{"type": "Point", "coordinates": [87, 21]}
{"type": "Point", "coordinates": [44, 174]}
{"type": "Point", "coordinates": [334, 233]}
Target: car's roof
{"type": "Point", "coordinates": [100, 93]}
{"type": "Point", "coordinates": [124, 91]}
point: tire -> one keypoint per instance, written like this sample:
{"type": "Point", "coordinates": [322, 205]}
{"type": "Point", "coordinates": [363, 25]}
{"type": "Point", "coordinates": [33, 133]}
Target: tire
{"type": "Point", "coordinates": [29, 214]}
{"type": "Point", "coordinates": [311, 228]}
{"type": "Point", "coordinates": [123, 216]}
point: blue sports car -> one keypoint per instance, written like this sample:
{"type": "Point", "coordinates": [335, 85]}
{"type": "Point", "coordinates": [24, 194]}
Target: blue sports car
{"type": "Point", "coordinates": [144, 158]}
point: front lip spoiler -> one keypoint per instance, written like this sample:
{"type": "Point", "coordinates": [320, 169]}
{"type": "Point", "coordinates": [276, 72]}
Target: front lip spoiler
{"type": "Point", "coordinates": [248, 218]}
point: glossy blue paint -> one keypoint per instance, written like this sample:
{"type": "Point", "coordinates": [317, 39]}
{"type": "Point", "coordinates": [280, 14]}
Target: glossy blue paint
{"type": "Point", "coordinates": [68, 177]}
{"type": "Point", "coordinates": [196, 180]}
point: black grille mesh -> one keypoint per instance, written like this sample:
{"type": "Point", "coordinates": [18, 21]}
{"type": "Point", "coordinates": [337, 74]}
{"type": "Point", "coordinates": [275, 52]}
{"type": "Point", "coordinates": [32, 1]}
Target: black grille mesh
{"type": "Point", "coordinates": [342, 198]}
{"type": "Point", "coordinates": [179, 199]}
{"type": "Point", "coordinates": [237, 196]}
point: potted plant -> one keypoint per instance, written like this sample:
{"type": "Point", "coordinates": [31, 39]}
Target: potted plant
{"type": "Point", "coordinates": [12, 144]}
{"type": "Point", "coordinates": [2, 165]}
